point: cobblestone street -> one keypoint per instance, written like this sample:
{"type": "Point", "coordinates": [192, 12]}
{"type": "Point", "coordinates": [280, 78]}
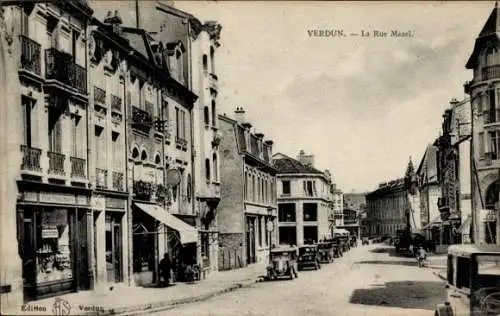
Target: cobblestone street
{"type": "Point", "coordinates": [369, 280]}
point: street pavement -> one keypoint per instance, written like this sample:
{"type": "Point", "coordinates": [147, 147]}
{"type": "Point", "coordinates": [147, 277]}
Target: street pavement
{"type": "Point", "coordinates": [368, 280]}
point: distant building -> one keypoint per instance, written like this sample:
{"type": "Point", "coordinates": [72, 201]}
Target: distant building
{"type": "Point", "coordinates": [485, 165]}
{"type": "Point", "coordinates": [304, 200]}
{"type": "Point", "coordinates": [354, 206]}
{"type": "Point", "coordinates": [386, 211]}
{"type": "Point", "coordinates": [248, 194]}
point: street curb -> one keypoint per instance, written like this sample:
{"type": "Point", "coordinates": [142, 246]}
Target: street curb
{"type": "Point", "coordinates": [439, 276]}
{"type": "Point", "coordinates": [171, 304]}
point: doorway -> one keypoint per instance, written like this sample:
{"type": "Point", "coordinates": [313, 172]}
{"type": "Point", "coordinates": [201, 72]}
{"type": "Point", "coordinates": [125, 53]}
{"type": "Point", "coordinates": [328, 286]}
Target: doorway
{"type": "Point", "coordinates": [113, 248]}
{"type": "Point", "coordinates": [250, 239]}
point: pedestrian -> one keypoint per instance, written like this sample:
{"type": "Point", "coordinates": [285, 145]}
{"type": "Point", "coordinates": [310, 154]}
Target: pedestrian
{"type": "Point", "coordinates": [165, 268]}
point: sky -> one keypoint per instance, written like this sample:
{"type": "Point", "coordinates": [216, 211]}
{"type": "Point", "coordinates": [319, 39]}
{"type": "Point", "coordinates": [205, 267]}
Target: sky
{"type": "Point", "coordinates": [362, 105]}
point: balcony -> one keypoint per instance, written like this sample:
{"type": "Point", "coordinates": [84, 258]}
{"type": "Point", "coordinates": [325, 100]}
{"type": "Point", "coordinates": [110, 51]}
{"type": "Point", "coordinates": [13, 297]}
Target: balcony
{"type": "Point", "coordinates": [78, 166]}
{"type": "Point", "coordinates": [212, 82]}
{"type": "Point", "coordinates": [30, 55]}
{"type": "Point", "coordinates": [116, 104]}
{"type": "Point", "coordinates": [101, 179]}
{"type": "Point", "coordinates": [60, 66]}
{"type": "Point", "coordinates": [31, 159]}
{"type": "Point", "coordinates": [491, 72]}
{"type": "Point", "coordinates": [118, 183]}
{"type": "Point", "coordinates": [141, 120]}
{"type": "Point", "coordinates": [143, 190]}
{"type": "Point", "coordinates": [56, 163]}
{"type": "Point", "coordinates": [100, 96]}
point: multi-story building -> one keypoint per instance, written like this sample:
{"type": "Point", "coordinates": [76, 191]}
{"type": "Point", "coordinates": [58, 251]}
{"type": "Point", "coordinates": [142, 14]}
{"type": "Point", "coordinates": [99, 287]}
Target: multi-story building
{"type": "Point", "coordinates": [484, 95]}
{"type": "Point", "coordinates": [246, 215]}
{"type": "Point", "coordinates": [53, 209]}
{"type": "Point", "coordinates": [430, 191]}
{"type": "Point", "coordinates": [354, 206]}
{"type": "Point", "coordinates": [338, 206]}
{"type": "Point", "coordinates": [386, 209]}
{"type": "Point", "coordinates": [304, 200]}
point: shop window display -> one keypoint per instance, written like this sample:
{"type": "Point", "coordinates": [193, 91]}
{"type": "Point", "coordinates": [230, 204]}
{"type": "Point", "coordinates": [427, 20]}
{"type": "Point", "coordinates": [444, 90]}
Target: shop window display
{"type": "Point", "coordinates": [53, 255]}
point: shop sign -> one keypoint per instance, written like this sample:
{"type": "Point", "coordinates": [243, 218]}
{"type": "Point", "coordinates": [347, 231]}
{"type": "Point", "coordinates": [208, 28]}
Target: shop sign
{"type": "Point", "coordinates": [82, 200]}
{"type": "Point", "coordinates": [488, 215]}
{"type": "Point", "coordinates": [50, 232]}
{"type": "Point", "coordinates": [55, 197]}
{"type": "Point", "coordinates": [115, 203]}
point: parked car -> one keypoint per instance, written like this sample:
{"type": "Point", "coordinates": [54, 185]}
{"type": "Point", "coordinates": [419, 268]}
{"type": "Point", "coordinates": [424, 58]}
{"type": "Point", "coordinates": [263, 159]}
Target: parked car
{"type": "Point", "coordinates": [283, 263]}
{"type": "Point", "coordinates": [309, 257]}
{"type": "Point", "coordinates": [473, 281]}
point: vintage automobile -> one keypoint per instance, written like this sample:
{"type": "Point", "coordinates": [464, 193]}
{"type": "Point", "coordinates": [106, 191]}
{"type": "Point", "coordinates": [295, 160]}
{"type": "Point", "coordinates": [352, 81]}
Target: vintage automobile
{"type": "Point", "coordinates": [326, 251]}
{"type": "Point", "coordinates": [283, 263]}
{"type": "Point", "coordinates": [309, 257]}
{"type": "Point", "coordinates": [473, 281]}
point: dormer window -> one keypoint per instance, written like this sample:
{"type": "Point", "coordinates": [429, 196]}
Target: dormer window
{"type": "Point", "coordinates": [491, 56]}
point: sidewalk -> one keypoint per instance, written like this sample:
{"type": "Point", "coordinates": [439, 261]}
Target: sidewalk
{"type": "Point", "coordinates": [129, 300]}
{"type": "Point", "coordinates": [437, 261]}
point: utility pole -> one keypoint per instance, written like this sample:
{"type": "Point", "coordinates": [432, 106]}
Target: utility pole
{"type": "Point", "coordinates": [137, 15]}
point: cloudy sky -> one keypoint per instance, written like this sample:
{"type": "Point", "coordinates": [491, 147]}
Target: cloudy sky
{"type": "Point", "coordinates": [362, 106]}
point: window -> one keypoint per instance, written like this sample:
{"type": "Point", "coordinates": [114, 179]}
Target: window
{"type": "Point", "coordinates": [266, 220]}
{"type": "Point", "coordinates": [214, 114]}
{"type": "Point", "coordinates": [75, 120]}
{"type": "Point", "coordinates": [286, 187]}
{"type": "Point", "coordinates": [24, 22]}
{"type": "Point", "coordinates": [74, 43]}
{"type": "Point", "coordinates": [207, 169]}
{"type": "Point", "coordinates": [27, 106]}
{"type": "Point", "coordinates": [310, 212]}
{"type": "Point", "coordinates": [254, 191]}
{"type": "Point", "coordinates": [288, 235]}
{"type": "Point", "coordinates": [495, 144]}
{"type": "Point", "coordinates": [116, 151]}
{"type": "Point", "coordinates": [205, 64]}
{"type": "Point", "coordinates": [212, 59]}
{"type": "Point", "coordinates": [184, 125]}
{"type": "Point", "coordinates": [309, 188]}
{"type": "Point", "coordinates": [463, 275]}
{"type": "Point", "coordinates": [206, 115]}
{"type": "Point", "coordinates": [286, 212]}
{"type": "Point", "coordinates": [54, 130]}
{"type": "Point", "coordinates": [246, 186]}
{"type": "Point", "coordinates": [189, 186]}
{"type": "Point", "coordinates": [489, 265]}
{"type": "Point", "coordinates": [214, 162]}
{"type": "Point", "coordinates": [310, 234]}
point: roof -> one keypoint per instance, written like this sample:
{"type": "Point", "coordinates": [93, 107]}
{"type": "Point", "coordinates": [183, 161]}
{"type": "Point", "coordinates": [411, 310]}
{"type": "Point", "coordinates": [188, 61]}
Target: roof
{"type": "Point", "coordinates": [389, 188]}
{"type": "Point", "coordinates": [489, 31]}
{"type": "Point", "coordinates": [469, 249]}
{"type": "Point", "coordinates": [427, 170]}
{"type": "Point", "coordinates": [289, 165]}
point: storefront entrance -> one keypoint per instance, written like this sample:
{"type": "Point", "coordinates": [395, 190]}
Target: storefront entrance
{"type": "Point", "coordinates": [53, 248]}
{"type": "Point", "coordinates": [250, 239]}
{"type": "Point", "coordinates": [113, 248]}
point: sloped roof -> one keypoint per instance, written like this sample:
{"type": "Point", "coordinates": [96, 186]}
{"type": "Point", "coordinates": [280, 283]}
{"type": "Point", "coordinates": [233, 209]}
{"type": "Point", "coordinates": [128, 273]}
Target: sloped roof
{"type": "Point", "coordinates": [287, 164]}
{"type": "Point", "coordinates": [428, 166]}
{"type": "Point", "coordinates": [389, 188]}
{"type": "Point", "coordinates": [490, 30]}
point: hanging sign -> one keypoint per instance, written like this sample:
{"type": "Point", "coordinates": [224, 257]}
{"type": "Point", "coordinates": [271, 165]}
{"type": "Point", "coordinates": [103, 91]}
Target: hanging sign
{"type": "Point", "coordinates": [173, 177]}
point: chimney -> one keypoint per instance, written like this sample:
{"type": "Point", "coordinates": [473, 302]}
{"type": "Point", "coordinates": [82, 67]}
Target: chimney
{"type": "Point", "coordinates": [307, 160]}
{"type": "Point", "coordinates": [239, 114]}
{"type": "Point", "coordinates": [114, 20]}
{"type": "Point", "coordinates": [453, 102]}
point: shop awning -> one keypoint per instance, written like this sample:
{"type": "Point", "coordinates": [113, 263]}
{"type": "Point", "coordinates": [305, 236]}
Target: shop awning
{"type": "Point", "coordinates": [188, 233]}
{"type": "Point", "coordinates": [465, 227]}
{"type": "Point", "coordinates": [434, 223]}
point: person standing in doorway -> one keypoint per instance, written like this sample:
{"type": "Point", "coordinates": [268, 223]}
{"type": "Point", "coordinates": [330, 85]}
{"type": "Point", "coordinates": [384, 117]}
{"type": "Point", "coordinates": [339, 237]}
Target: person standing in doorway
{"type": "Point", "coordinates": [165, 268]}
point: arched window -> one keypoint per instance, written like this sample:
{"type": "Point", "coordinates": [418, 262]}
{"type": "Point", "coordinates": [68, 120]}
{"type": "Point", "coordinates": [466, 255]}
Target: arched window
{"type": "Point", "coordinates": [207, 169]}
{"type": "Point", "coordinates": [214, 114]}
{"type": "Point", "coordinates": [135, 153]}
{"type": "Point", "coordinates": [212, 61]}
{"type": "Point", "coordinates": [214, 162]}
{"type": "Point", "coordinates": [206, 115]}
{"type": "Point", "coordinates": [144, 156]}
{"type": "Point", "coordinates": [158, 160]}
{"type": "Point", "coordinates": [205, 63]}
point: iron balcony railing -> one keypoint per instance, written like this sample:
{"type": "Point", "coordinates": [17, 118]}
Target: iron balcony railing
{"type": "Point", "coordinates": [118, 181]}
{"type": "Point", "coordinates": [491, 72]}
{"type": "Point", "coordinates": [60, 66]}
{"type": "Point", "coordinates": [101, 180]}
{"type": "Point", "coordinates": [141, 120]}
{"type": "Point", "coordinates": [56, 163]}
{"type": "Point", "coordinates": [77, 167]}
{"type": "Point", "coordinates": [31, 158]}
{"type": "Point", "coordinates": [116, 103]}
{"type": "Point", "coordinates": [99, 96]}
{"type": "Point", "coordinates": [30, 55]}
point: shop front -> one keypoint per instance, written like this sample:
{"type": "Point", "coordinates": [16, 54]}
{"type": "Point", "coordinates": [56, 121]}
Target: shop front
{"type": "Point", "coordinates": [53, 243]}
{"type": "Point", "coordinates": [156, 232]}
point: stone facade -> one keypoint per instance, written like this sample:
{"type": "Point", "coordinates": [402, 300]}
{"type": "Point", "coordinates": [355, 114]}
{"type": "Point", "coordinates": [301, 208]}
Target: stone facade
{"type": "Point", "coordinates": [248, 194]}
{"type": "Point", "coordinates": [485, 102]}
